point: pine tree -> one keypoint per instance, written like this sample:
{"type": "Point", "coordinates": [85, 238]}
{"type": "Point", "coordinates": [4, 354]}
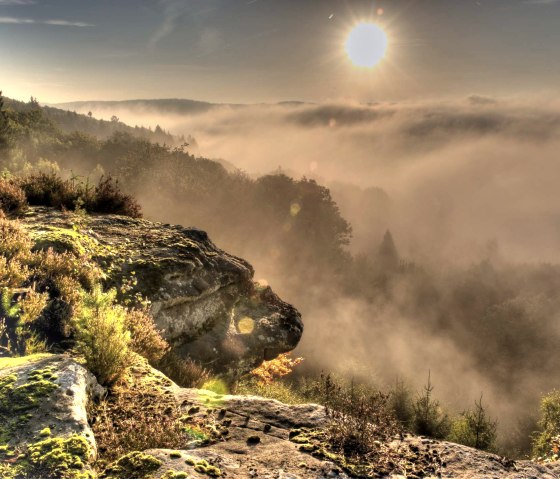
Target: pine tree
{"type": "Point", "coordinates": [475, 429]}
{"type": "Point", "coordinates": [429, 418]}
{"type": "Point", "coordinates": [387, 255]}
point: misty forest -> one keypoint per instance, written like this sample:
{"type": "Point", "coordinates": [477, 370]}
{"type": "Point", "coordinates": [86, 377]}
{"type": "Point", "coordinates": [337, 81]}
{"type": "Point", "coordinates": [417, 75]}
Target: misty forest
{"type": "Point", "coordinates": [362, 285]}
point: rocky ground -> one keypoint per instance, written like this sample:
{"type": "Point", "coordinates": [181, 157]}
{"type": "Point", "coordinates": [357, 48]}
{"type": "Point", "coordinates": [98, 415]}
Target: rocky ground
{"type": "Point", "coordinates": [45, 434]}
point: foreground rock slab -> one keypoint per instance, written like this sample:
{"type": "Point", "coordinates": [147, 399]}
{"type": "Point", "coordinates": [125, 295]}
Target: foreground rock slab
{"type": "Point", "coordinates": [203, 299]}
{"type": "Point", "coordinates": [43, 403]}
{"type": "Point", "coordinates": [257, 444]}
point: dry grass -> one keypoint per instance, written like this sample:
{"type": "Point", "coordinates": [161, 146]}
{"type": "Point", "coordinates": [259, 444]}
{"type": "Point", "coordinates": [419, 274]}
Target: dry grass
{"type": "Point", "coordinates": [139, 414]}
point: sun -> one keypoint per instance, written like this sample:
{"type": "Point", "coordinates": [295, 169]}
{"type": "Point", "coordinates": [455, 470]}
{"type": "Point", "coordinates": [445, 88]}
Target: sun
{"type": "Point", "coordinates": [366, 45]}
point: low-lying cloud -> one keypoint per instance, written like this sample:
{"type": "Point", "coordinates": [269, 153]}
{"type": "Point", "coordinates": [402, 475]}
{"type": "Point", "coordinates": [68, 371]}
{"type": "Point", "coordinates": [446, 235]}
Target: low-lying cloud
{"type": "Point", "coordinates": [456, 182]}
{"type": "Point", "coordinates": [458, 174]}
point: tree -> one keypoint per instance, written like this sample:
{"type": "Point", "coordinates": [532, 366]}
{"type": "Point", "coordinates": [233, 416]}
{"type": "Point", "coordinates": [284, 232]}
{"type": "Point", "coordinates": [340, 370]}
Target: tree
{"type": "Point", "coordinates": [4, 124]}
{"type": "Point", "coordinates": [429, 418]}
{"type": "Point", "coordinates": [475, 429]}
{"type": "Point", "coordinates": [402, 404]}
{"type": "Point", "coordinates": [546, 442]}
{"type": "Point", "coordinates": [387, 255]}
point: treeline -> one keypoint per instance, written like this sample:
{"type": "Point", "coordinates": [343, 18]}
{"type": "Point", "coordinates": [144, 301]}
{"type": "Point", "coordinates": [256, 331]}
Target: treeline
{"type": "Point", "coordinates": [70, 121]}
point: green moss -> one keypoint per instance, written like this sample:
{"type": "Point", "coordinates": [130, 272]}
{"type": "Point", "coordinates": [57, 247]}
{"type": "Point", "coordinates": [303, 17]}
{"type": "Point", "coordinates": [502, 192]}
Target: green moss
{"type": "Point", "coordinates": [45, 432]}
{"type": "Point", "coordinates": [203, 467]}
{"type": "Point", "coordinates": [213, 471]}
{"type": "Point", "coordinates": [175, 455]}
{"type": "Point", "coordinates": [135, 465]}
{"type": "Point", "coordinates": [6, 452]}
{"type": "Point", "coordinates": [29, 395]}
{"type": "Point", "coordinates": [171, 474]}
{"type": "Point", "coordinates": [61, 457]}
{"type": "Point", "coordinates": [18, 401]}
{"type": "Point", "coordinates": [10, 471]}
{"type": "Point", "coordinates": [62, 240]}
{"type": "Point", "coordinates": [6, 363]}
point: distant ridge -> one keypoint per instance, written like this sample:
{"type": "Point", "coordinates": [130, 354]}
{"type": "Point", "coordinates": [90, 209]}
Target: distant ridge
{"type": "Point", "coordinates": [167, 105]}
{"type": "Point", "coordinates": [170, 105]}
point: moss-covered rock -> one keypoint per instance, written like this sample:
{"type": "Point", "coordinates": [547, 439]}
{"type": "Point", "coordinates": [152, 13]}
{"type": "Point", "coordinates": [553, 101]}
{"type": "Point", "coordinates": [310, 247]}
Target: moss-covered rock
{"type": "Point", "coordinates": [21, 393]}
{"type": "Point", "coordinates": [44, 433]}
{"type": "Point", "coordinates": [135, 465]}
{"type": "Point", "coordinates": [66, 240]}
{"type": "Point", "coordinates": [60, 457]}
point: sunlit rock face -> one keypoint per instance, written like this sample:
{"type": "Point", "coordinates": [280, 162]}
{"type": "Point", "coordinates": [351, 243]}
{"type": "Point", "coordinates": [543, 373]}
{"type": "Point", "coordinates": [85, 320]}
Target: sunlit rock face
{"type": "Point", "coordinates": [203, 299]}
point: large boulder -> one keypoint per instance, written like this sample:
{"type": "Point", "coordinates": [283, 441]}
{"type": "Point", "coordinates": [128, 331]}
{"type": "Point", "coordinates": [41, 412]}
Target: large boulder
{"type": "Point", "coordinates": [203, 299]}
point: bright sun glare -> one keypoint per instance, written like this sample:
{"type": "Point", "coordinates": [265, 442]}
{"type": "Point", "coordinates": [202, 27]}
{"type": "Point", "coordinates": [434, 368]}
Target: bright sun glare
{"type": "Point", "coordinates": [366, 45]}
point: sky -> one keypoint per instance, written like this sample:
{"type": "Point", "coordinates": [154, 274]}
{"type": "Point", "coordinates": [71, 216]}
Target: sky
{"type": "Point", "coordinates": [246, 51]}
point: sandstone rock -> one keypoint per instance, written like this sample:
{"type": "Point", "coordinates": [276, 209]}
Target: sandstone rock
{"type": "Point", "coordinates": [203, 299]}
{"type": "Point", "coordinates": [256, 440]}
{"type": "Point", "coordinates": [43, 401]}
{"type": "Point", "coordinates": [275, 456]}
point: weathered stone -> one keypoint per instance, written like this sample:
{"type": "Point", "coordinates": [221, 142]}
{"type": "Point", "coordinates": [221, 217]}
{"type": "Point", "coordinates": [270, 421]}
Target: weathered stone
{"type": "Point", "coordinates": [43, 401]}
{"type": "Point", "coordinates": [203, 299]}
{"type": "Point", "coordinates": [275, 456]}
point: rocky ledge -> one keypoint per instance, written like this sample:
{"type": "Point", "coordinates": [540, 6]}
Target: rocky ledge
{"type": "Point", "coordinates": [203, 299]}
{"type": "Point", "coordinates": [45, 435]}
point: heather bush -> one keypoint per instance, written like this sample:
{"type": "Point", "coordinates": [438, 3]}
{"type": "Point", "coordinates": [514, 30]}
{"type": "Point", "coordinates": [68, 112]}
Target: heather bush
{"type": "Point", "coordinates": [183, 371]}
{"type": "Point", "coordinates": [146, 340]}
{"type": "Point", "coordinates": [360, 418]}
{"type": "Point", "coordinates": [12, 198]}
{"type": "Point", "coordinates": [49, 189]}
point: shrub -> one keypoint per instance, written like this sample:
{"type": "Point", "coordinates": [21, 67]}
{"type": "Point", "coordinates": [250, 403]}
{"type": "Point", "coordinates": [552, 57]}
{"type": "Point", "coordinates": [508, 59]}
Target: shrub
{"type": "Point", "coordinates": [12, 198]}
{"type": "Point", "coordinates": [137, 415]}
{"type": "Point", "coordinates": [48, 189]}
{"type": "Point", "coordinates": [108, 198]}
{"type": "Point", "coordinates": [279, 390]}
{"type": "Point", "coordinates": [18, 312]}
{"type": "Point", "coordinates": [184, 371]}
{"type": "Point", "coordinates": [14, 242]}
{"type": "Point", "coordinates": [360, 419]}
{"type": "Point", "coordinates": [101, 335]}
{"type": "Point", "coordinates": [546, 442]}
{"type": "Point", "coordinates": [475, 429]}
{"type": "Point", "coordinates": [146, 340]}
{"type": "Point", "coordinates": [270, 371]}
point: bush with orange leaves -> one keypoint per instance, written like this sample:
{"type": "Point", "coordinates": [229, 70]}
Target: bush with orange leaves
{"type": "Point", "coordinates": [270, 371]}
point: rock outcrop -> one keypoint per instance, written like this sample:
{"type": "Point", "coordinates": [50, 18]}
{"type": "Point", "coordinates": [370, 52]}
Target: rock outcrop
{"type": "Point", "coordinates": [45, 434]}
{"type": "Point", "coordinates": [203, 299]}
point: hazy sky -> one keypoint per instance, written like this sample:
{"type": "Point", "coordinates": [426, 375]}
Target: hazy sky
{"type": "Point", "coordinates": [273, 50]}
